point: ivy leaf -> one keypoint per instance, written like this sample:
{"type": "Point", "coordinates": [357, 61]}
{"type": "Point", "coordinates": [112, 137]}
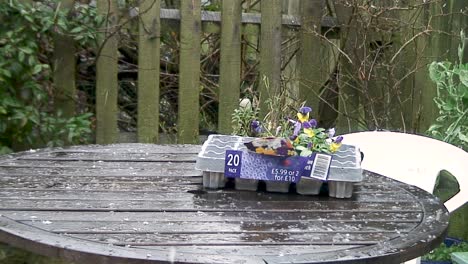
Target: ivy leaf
{"type": "Point", "coordinates": [462, 137]}
{"type": "Point", "coordinates": [301, 148]}
{"type": "Point", "coordinates": [76, 30]}
{"type": "Point", "coordinates": [21, 56]}
{"type": "Point", "coordinates": [463, 75]}
{"type": "Point", "coordinates": [306, 152]}
{"type": "Point", "coordinates": [37, 69]}
{"type": "Point", "coordinates": [434, 73]}
{"type": "Point", "coordinates": [435, 127]}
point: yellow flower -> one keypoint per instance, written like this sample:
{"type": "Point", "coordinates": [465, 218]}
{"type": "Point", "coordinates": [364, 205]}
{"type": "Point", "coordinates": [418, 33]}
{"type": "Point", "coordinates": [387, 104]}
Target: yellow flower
{"type": "Point", "coordinates": [335, 146]}
{"type": "Point", "coordinates": [309, 132]}
{"type": "Point", "coordinates": [259, 150]}
{"type": "Point", "coordinates": [303, 117]}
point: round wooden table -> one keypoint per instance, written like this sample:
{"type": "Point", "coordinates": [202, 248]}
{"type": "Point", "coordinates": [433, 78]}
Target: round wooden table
{"type": "Point", "coordinates": [138, 203]}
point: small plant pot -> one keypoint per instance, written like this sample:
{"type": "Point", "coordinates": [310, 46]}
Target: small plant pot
{"type": "Point", "coordinates": [277, 186]}
{"type": "Point", "coordinates": [246, 184]}
{"type": "Point", "coordinates": [213, 180]}
{"type": "Point", "coordinates": [340, 189]}
{"type": "Point", "coordinates": [308, 186]}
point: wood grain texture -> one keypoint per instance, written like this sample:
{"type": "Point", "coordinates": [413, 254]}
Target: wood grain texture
{"type": "Point", "coordinates": [106, 74]}
{"type": "Point", "coordinates": [312, 64]}
{"type": "Point", "coordinates": [149, 43]}
{"type": "Point", "coordinates": [64, 69]}
{"type": "Point", "coordinates": [142, 203]}
{"type": "Point", "coordinates": [270, 55]}
{"type": "Point", "coordinates": [189, 80]}
{"type": "Point", "coordinates": [230, 64]}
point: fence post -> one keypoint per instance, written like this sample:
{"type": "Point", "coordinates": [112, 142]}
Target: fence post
{"type": "Point", "coordinates": [189, 79]}
{"type": "Point", "coordinates": [348, 102]}
{"type": "Point", "coordinates": [106, 75]}
{"type": "Point", "coordinates": [230, 63]}
{"type": "Point", "coordinates": [290, 72]}
{"type": "Point", "coordinates": [148, 71]}
{"type": "Point", "coordinates": [311, 64]}
{"type": "Point", "coordinates": [270, 52]}
{"type": "Point", "coordinates": [64, 70]}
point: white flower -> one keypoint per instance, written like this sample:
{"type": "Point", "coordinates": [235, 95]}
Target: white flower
{"type": "Point", "coordinates": [245, 103]}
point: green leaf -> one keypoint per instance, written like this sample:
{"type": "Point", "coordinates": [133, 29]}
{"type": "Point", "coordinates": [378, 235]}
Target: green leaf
{"type": "Point", "coordinates": [76, 30]}
{"type": "Point", "coordinates": [37, 69]}
{"type": "Point", "coordinates": [435, 127]}
{"type": "Point", "coordinates": [7, 73]}
{"type": "Point", "coordinates": [463, 75]}
{"type": "Point", "coordinates": [306, 153]}
{"type": "Point", "coordinates": [300, 148]}
{"type": "Point", "coordinates": [21, 56]}
{"type": "Point", "coordinates": [434, 73]}
{"type": "Point", "coordinates": [26, 50]}
{"type": "Point", "coordinates": [5, 150]}
{"type": "Point", "coordinates": [31, 60]}
{"type": "Point", "coordinates": [462, 136]}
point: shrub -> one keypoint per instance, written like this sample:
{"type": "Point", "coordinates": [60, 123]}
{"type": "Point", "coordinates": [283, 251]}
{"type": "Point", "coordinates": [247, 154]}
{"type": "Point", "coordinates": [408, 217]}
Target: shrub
{"type": "Point", "coordinates": [452, 99]}
{"type": "Point", "coordinates": [27, 116]}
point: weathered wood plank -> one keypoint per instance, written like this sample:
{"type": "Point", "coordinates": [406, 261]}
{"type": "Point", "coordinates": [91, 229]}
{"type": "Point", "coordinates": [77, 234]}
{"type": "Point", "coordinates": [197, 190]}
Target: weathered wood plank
{"type": "Point", "coordinates": [95, 177]}
{"type": "Point", "coordinates": [251, 251]}
{"type": "Point", "coordinates": [99, 157]}
{"type": "Point", "coordinates": [230, 64]}
{"type": "Point", "coordinates": [205, 205]}
{"type": "Point", "coordinates": [159, 193]}
{"type": "Point", "coordinates": [111, 148]}
{"type": "Point", "coordinates": [227, 227]}
{"type": "Point", "coordinates": [290, 72]}
{"type": "Point", "coordinates": [189, 67]}
{"type": "Point", "coordinates": [238, 239]}
{"type": "Point", "coordinates": [106, 75]}
{"type": "Point", "coordinates": [148, 71]}
{"type": "Point", "coordinates": [270, 56]}
{"type": "Point", "coordinates": [64, 69]}
{"type": "Point", "coordinates": [312, 64]}
{"type": "Point", "coordinates": [106, 168]}
{"type": "Point", "coordinates": [220, 217]}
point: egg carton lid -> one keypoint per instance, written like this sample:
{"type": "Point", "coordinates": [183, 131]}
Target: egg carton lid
{"type": "Point", "coordinates": [345, 165]}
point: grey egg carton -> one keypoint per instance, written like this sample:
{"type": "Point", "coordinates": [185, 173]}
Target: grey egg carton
{"type": "Point", "coordinates": [345, 169]}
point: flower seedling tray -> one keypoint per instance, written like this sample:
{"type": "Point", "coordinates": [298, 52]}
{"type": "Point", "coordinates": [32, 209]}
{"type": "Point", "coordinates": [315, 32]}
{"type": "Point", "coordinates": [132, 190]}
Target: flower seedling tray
{"type": "Point", "coordinates": [224, 156]}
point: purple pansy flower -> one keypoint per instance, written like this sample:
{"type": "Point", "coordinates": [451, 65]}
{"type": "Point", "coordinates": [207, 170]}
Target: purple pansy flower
{"type": "Point", "coordinates": [331, 132]}
{"type": "Point", "coordinates": [303, 114]}
{"type": "Point", "coordinates": [297, 128]}
{"type": "Point", "coordinates": [304, 110]}
{"type": "Point", "coordinates": [255, 125]}
{"type": "Point", "coordinates": [339, 139]}
{"type": "Point", "coordinates": [313, 123]}
{"type": "Point", "coordinates": [306, 125]}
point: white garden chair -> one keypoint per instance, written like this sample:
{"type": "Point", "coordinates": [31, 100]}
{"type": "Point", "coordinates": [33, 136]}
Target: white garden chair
{"type": "Point", "coordinates": [413, 159]}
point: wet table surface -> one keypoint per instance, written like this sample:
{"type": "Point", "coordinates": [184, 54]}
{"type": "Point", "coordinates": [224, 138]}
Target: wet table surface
{"type": "Point", "coordinates": [138, 203]}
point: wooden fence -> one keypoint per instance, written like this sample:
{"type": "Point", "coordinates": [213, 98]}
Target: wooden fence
{"type": "Point", "coordinates": [307, 16]}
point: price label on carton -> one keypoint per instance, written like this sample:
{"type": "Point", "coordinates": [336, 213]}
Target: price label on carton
{"type": "Point", "coordinates": [248, 165]}
{"type": "Point", "coordinates": [318, 166]}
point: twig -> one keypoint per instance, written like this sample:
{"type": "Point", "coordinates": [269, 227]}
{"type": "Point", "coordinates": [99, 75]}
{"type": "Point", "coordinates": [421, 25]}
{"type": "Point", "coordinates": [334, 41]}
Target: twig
{"type": "Point", "coordinates": [427, 31]}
